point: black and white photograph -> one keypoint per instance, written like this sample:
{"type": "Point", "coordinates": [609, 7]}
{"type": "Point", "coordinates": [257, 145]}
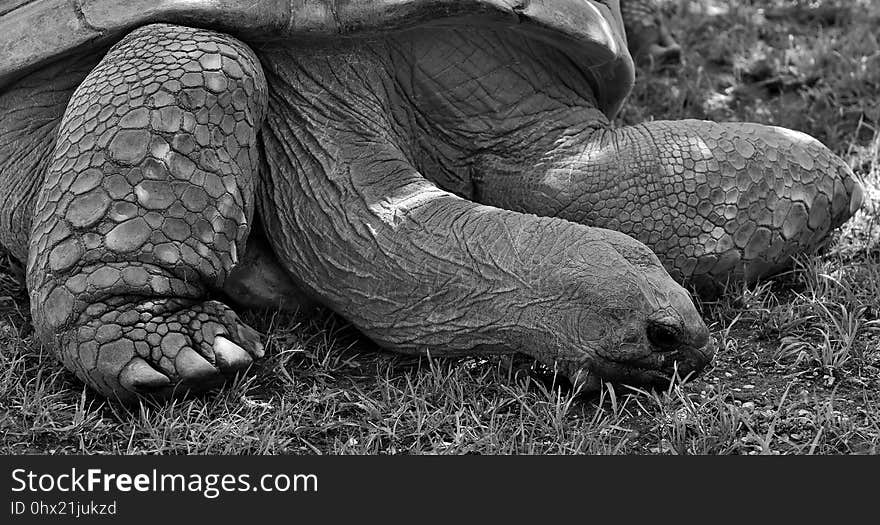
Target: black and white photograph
{"type": "Point", "coordinates": [436, 227]}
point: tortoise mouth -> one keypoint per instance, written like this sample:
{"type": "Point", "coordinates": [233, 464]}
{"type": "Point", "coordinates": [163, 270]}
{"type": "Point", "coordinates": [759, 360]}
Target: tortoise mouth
{"type": "Point", "coordinates": [658, 368]}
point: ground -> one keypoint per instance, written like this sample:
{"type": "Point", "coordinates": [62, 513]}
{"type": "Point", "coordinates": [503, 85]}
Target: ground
{"type": "Point", "coordinates": [798, 366]}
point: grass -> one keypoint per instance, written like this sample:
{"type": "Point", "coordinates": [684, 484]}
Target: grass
{"type": "Point", "coordinates": [798, 367]}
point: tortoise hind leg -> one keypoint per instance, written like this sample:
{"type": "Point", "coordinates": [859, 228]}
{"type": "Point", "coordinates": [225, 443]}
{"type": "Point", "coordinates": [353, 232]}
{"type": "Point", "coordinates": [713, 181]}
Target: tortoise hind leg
{"type": "Point", "coordinates": [715, 201]}
{"type": "Point", "coordinates": [143, 210]}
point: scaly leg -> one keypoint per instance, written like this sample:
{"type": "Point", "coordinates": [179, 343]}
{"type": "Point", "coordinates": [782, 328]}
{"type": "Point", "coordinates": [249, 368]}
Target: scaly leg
{"type": "Point", "coordinates": [145, 204]}
{"type": "Point", "coordinates": [714, 201]}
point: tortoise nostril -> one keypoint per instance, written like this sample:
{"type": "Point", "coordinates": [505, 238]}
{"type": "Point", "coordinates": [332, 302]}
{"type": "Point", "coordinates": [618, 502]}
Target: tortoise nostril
{"type": "Point", "coordinates": [663, 336]}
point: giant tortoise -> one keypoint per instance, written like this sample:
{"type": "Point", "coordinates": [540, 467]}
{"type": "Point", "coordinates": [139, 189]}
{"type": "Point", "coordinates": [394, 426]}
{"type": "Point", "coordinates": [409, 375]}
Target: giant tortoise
{"type": "Point", "coordinates": [442, 173]}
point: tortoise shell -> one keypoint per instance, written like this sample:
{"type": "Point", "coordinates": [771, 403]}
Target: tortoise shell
{"type": "Point", "coordinates": [36, 32]}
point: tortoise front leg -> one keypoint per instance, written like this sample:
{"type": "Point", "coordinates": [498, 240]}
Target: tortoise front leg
{"type": "Point", "coordinates": [714, 201]}
{"type": "Point", "coordinates": [143, 211]}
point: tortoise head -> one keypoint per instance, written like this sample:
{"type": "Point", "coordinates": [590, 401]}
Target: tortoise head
{"type": "Point", "coordinates": [633, 325]}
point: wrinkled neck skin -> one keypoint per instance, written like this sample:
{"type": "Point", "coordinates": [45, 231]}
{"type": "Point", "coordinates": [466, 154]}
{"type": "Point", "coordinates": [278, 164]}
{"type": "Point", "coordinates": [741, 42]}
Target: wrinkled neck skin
{"type": "Point", "coordinates": [471, 95]}
{"type": "Point", "coordinates": [355, 125]}
{"type": "Point", "coordinates": [452, 100]}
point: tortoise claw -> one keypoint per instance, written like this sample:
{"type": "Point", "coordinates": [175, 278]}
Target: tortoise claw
{"type": "Point", "coordinates": [259, 350]}
{"type": "Point", "coordinates": [229, 356]}
{"type": "Point", "coordinates": [194, 368]}
{"type": "Point", "coordinates": [139, 376]}
{"type": "Point", "coordinates": [857, 199]}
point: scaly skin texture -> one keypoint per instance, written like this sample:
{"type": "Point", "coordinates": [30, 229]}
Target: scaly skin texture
{"type": "Point", "coordinates": [419, 269]}
{"type": "Point", "coordinates": [379, 157]}
{"type": "Point", "coordinates": [714, 201]}
{"type": "Point", "coordinates": [31, 112]}
{"type": "Point", "coordinates": [145, 203]}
